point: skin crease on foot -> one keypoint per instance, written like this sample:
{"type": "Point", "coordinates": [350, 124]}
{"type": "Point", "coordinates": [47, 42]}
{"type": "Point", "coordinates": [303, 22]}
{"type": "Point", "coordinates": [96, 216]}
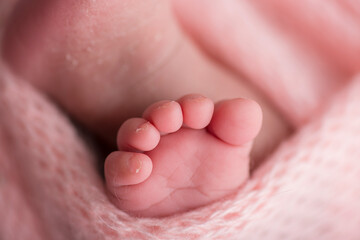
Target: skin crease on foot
{"type": "Point", "coordinates": [104, 64]}
{"type": "Point", "coordinates": [182, 155]}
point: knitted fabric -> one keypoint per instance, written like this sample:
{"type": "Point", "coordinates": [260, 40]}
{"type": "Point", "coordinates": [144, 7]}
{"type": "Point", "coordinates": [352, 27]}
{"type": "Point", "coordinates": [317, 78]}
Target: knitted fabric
{"type": "Point", "coordinates": [49, 188]}
{"type": "Point", "coordinates": [307, 189]}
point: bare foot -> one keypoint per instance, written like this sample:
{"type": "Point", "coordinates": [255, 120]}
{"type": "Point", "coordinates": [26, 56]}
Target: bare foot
{"type": "Point", "coordinates": [182, 155]}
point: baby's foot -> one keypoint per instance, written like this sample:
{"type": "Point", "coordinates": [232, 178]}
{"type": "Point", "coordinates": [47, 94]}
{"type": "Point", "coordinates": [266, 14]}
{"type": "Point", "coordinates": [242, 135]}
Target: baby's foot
{"type": "Point", "coordinates": [182, 155]}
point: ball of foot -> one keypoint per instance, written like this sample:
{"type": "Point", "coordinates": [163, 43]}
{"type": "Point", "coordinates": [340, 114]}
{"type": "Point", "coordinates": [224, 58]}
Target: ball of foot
{"type": "Point", "coordinates": [182, 155]}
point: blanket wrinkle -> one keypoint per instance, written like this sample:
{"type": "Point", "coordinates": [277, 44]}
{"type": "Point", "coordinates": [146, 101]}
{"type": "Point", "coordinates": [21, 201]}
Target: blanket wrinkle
{"type": "Point", "coordinates": [308, 189]}
{"type": "Point", "coordinates": [298, 61]}
{"type": "Point", "coordinates": [305, 190]}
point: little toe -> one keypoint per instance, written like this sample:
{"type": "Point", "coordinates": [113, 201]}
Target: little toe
{"type": "Point", "coordinates": [197, 110]}
{"type": "Point", "coordinates": [126, 168]}
{"type": "Point", "coordinates": [166, 116]}
{"type": "Point", "coordinates": [236, 121]}
{"type": "Point", "coordinates": [137, 134]}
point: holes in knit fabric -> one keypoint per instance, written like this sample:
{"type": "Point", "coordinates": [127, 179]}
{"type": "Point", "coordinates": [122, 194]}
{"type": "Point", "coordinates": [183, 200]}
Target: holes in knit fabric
{"type": "Point", "coordinates": [84, 212]}
{"type": "Point", "coordinates": [59, 188]}
{"type": "Point", "coordinates": [44, 165]}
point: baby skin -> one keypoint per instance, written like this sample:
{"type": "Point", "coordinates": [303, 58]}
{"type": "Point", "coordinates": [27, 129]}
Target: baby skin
{"type": "Point", "coordinates": [103, 65]}
{"type": "Point", "coordinates": [182, 154]}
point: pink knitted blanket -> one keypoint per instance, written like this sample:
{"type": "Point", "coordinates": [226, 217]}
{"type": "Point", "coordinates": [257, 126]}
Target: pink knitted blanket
{"type": "Point", "coordinates": [308, 189]}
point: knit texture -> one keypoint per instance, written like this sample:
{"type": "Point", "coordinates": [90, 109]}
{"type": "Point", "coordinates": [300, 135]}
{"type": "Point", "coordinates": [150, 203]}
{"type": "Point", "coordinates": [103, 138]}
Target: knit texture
{"type": "Point", "coordinates": [49, 188]}
{"type": "Point", "coordinates": [299, 53]}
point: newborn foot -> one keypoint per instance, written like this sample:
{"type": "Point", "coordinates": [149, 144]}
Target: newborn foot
{"type": "Point", "coordinates": [182, 155]}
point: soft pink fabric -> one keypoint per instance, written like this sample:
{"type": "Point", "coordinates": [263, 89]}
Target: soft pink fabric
{"type": "Point", "coordinates": [308, 189]}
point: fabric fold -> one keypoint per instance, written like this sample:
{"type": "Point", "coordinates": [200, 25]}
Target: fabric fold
{"type": "Point", "coordinates": [306, 190]}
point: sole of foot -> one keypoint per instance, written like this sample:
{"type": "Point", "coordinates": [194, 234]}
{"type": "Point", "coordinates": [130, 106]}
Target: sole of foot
{"type": "Point", "coordinates": [182, 155]}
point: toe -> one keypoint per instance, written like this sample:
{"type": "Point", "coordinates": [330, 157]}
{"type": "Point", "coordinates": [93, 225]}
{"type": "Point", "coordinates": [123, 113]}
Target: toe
{"type": "Point", "coordinates": [166, 116]}
{"type": "Point", "coordinates": [137, 134]}
{"type": "Point", "coordinates": [126, 168]}
{"type": "Point", "coordinates": [197, 110]}
{"type": "Point", "coordinates": [236, 121]}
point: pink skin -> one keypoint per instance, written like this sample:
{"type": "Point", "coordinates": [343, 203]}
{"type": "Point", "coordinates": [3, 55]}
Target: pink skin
{"type": "Point", "coordinates": [103, 64]}
{"type": "Point", "coordinates": [187, 167]}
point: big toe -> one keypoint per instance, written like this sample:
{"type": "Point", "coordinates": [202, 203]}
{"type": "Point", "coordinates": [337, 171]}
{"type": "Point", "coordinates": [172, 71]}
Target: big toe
{"type": "Point", "coordinates": [236, 121]}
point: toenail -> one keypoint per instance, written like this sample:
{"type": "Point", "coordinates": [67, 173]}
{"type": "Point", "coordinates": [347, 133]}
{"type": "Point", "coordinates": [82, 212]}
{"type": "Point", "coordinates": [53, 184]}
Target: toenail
{"type": "Point", "coordinates": [165, 105]}
{"type": "Point", "coordinates": [196, 97]}
{"type": "Point", "coordinates": [142, 127]}
{"type": "Point", "coordinates": [134, 164]}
